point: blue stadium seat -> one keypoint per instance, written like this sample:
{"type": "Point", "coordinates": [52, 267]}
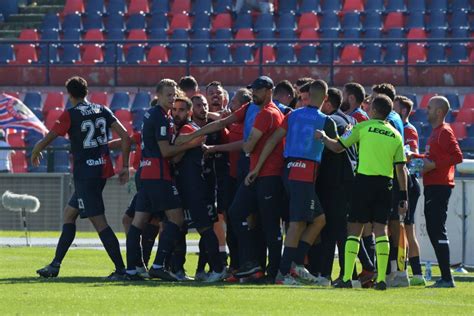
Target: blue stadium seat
{"type": "Point", "coordinates": [459, 19]}
{"type": "Point", "coordinates": [200, 54]}
{"type": "Point", "coordinates": [141, 101]}
{"type": "Point", "coordinates": [243, 53]}
{"type": "Point", "coordinates": [158, 21]}
{"type": "Point", "coordinates": [178, 54]}
{"type": "Point", "coordinates": [115, 34]}
{"type": "Point", "coordinates": [72, 21]}
{"type": "Point", "coordinates": [51, 21]}
{"type": "Point", "coordinates": [470, 129]}
{"type": "Point", "coordinates": [460, 33]}
{"type": "Point", "coordinates": [331, 6]}
{"type": "Point", "coordinates": [308, 54]}
{"type": "Point", "coordinates": [416, 19]}
{"type": "Point", "coordinates": [6, 53]}
{"type": "Point", "coordinates": [416, 5]}
{"type": "Point", "coordinates": [438, 5]}
{"type": "Point", "coordinates": [264, 21]}
{"type": "Point", "coordinates": [32, 100]}
{"type": "Point", "coordinates": [93, 21]}
{"type": "Point", "coordinates": [115, 21]}
{"type": "Point", "coordinates": [39, 114]}
{"type": "Point", "coordinates": [222, 6]}
{"type": "Point", "coordinates": [95, 7]}
{"type": "Point", "coordinates": [372, 54]}
{"type": "Point", "coordinates": [351, 33]}
{"type": "Point", "coordinates": [223, 34]}
{"type": "Point", "coordinates": [265, 33]}
{"type": "Point", "coordinates": [394, 53]}
{"type": "Point", "coordinates": [61, 157]}
{"type": "Point", "coordinates": [135, 54]}
{"type": "Point", "coordinates": [50, 34]}
{"type": "Point", "coordinates": [458, 5]}
{"type": "Point", "coordinates": [374, 5]}
{"type": "Point", "coordinates": [117, 7]}
{"type": "Point", "coordinates": [458, 53]}
{"type": "Point", "coordinates": [243, 21]}
{"type": "Point", "coordinates": [330, 21]}
{"type": "Point", "coordinates": [351, 20]}
{"type": "Point", "coordinates": [136, 21]}
{"type": "Point", "coordinates": [158, 34]}
{"type": "Point", "coordinates": [31, 139]}
{"type": "Point", "coordinates": [202, 21]}
{"type": "Point", "coordinates": [180, 34]}
{"type": "Point", "coordinates": [412, 97]}
{"type": "Point", "coordinates": [395, 6]}
{"type": "Point", "coordinates": [113, 53]}
{"type": "Point", "coordinates": [221, 54]}
{"type": "Point", "coordinates": [325, 53]}
{"type": "Point", "coordinates": [373, 33]}
{"type": "Point", "coordinates": [287, 6]}
{"type": "Point", "coordinates": [202, 6]}
{"type": "Point", "coordinates": [420, 115]}
{"type": "Point", "coordinates": [373, 20]}
{"type": "Point", "coordinates": [453, 99]}
{"type": "Point", "coordinates": [287, 21]}
{"type": "Point", "coordinates": [436, 53]}
{"type": "Point", "coordinates": [160, 6]}
{"type": "Point", "coordinates": [467, 144]}
{"type": "Point", "coordinates": [396, 33]}
{"type": "Point", "coordinates": [137, 118]}
{"type": "Point", "coordinates": [285, 54]}
{"type": "Point", "coordinates": [201, 34]}
{"type": "Point", "coordinates": [72, 34]}
{"type": "Point", "coordinates": [120, 100]}
{"type": "Point", "coordinates": [53, 54]}
{"type": "Point", "coordinates": [71, 54]}
{"type": "Point", "coordinates": [287, 34]}
{"type": "Point", "coordinates": [310, 6]}
{"type": "Point", "coordinates": [437, 20]}
{"type": "Point", "coordinates": [330, 33]}
{"type": "Point", "coordinates": [437, 33]}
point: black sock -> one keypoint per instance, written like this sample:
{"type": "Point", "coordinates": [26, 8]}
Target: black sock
{"type": "Point", "coordinates": [286, 260]}
{"type": "Point", "coordinates": [364, 258]}
{"type": "Point", "coordinates": [415, 265]}
{"type": "Point", "coordinates": [166, 243]}
{"type": "Point", "coordinates": [202, 260]}
{"type": "Point", "coordinates": [233, 246]}
{"type": "Point", "coordinates": [133, 248]}
{"type": "Point", "coordinates": [149, 234]}
{"type": "Point", "coordinates": [369, 245]}
{"type": "Point", "coordinates": [112, 246]}
{"type": "Point", "coordinates": [442, 253]}
{"type": "Point", "coordinates": [223, 255]}
{"type": "Point", "coordinates": [211, 243]}
{"type": "Point", "coordinates": [65, 241]}
{"type": "Point", "coordinates": [392, 256]}
{"type": "Point", "coordinates": [301, 252]}
{"type": "Point", "coordinates": [178, 258]}
{"type": "Point", "coordinates": [315, 254]}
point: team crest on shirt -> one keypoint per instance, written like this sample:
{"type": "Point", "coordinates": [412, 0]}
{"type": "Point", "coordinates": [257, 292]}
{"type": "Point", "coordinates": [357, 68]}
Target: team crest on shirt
{"type": "Point", "coordinates": [163, 131]}
{"type": "Point", "coordinates": [347, 133]}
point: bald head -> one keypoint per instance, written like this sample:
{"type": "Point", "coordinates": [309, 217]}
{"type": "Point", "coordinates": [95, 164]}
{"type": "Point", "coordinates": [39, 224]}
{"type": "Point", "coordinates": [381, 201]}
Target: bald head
{"type": "Point", "coordinates": [438, 107]}
{"type": "Point", "coordinates": [440, 103]}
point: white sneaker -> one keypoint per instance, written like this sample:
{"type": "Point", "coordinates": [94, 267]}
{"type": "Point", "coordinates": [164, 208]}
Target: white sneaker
{"type": "Point", "coordinates": [322, 281]}
{"type": "Point", "coordinates": [200, 276]}
{"type": "Point", "coordinates": [216, 276]}
{"type": "Point", "coordinates": [302, 274]}
{"type": "Point", "coordinates": [286, 279]}
{"type": "Point", "coordinates": [400, 280]}
{"type": "Point", "coordinates": [143, 272]}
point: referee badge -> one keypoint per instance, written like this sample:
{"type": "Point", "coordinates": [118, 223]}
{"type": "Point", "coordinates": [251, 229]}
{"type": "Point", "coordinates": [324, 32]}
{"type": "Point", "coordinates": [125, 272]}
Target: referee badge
{"type": "Point", "coordinates": [347, 133]}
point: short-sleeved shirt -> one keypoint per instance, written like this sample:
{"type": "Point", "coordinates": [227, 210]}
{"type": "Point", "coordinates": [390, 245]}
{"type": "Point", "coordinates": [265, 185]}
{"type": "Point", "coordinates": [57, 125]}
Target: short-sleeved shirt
{"type": "Point", "coordinates": [267, 121]}
{"type": "Point", "coordinates": [236, 132]}
{"type": "Point", "coordinates": [411, 136]}
{"type": "Point", "coordinates": [396, 121]}
{"type": "Point", "coordinates": [192, 162]}
{"type": "Point", "coordinates": [246, 115]}
{"type": "Point", "coordinates": [380, 147]}
{"type": "Point", "coordinates": [359, 115]}
{"type": "Point", "coordinates": [87, 125]}
{"type": "Point", "coordinates": [283, 108]}
{"type": "Point", "coordinates": [157, 127]}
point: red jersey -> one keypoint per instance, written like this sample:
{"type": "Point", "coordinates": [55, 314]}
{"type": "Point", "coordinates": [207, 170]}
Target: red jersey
{"type": "Point", "coordinates": [411, 136]}
{"type": "Point", "coordinates": [236, 133]}
{"type": "Point", "coordinates": [267, 121]}
{"type": "Point", "coordinates": [359, 115]}
{"type": "Point", "coordinates": [443, 149]}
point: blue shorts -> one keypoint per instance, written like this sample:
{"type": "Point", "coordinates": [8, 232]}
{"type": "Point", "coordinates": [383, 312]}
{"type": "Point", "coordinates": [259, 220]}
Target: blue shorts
{"type": "Point", "coordinates": [157, 196]}
{"type": "Point", "coordinates": [87, 197]}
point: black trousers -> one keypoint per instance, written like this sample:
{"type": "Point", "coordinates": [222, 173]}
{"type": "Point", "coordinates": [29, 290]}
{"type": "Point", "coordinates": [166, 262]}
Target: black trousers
{"type": "Point", "coordinates": [436, 213]}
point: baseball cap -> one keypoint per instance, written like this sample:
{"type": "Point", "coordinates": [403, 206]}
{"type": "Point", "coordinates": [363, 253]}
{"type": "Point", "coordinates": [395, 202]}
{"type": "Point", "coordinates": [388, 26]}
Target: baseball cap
{"type": "Point", "coordinates": [261, 82]}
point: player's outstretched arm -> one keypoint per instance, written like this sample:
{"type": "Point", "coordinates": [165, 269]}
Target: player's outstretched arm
{"type": "Point", "coordinates": [126, 142]}
{"type": "Point", "coordinates": [36, 155]}
{"type": "Point", "coordinates": [330, 143]}
{"type": "Point", "coordinates": [235, 146]}
{"type": "Point", "coordinates": [207, 129]}
{"type": "Point", "coordinates": [402, 176]}
{"type": "Point", "coordinates": [168, 151]}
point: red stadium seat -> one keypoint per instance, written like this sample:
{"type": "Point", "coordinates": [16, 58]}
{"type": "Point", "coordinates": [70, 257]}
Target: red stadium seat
{"type": "Point", "coordinates": [309, 34]}
{"type": "Point", "coordinates": [394, 20]}
{"type": "Point", "coordinates": [425, 99]}
{"type": "Point", "coordinates": [134, 35]}
{"type": "Point", "coordinates": [157, 55]}
{"type": "Point", "coordinates": [54, 100]}
{"type": "Point", "coordinates": [222, 21]}
{"type": "Point", "coordinates": [138, 6]}
{"type": "Point", "coordinates": [73, 6]}
{"type": "Point", "coordinates": [350, 54]}
{"type": "Point", "coordinates": [13, 94]}
{"type": "Point", "coordinates": [416, 53]}
{"type": "Point", "coordinates": [308, 20]}
{"type": "Point", "coordinates": [94, 35]}
{"type": "Point", "coordinates": [466, 116]}
{"type": "Point", "coordinates": [244, 34]}
{"type": "Point", "coordinates": [417, 33]}
{"type": "Point", "coordinates": [123, 115]}
{"type": "Point", "coordinates": [459, 129]}
{"type": "Point", "coordinates": [180, 6]}
{"type": "Point", "coordinates": [52, 116]}
{"type": "Point", "coordinates": [92, 54]}
{"type": "Point", "coordinates": [17, 139]}
{"type": "Point", "coordinates": [468, 102]}
{"type": "Point", "coordinates": [180, 21]}
{"type": "Point", "coordinates": [268, 55]}
{"type": "Point", "coordinates": [29, 35]}
{"type": "Point", "coordinates": [353, 5]}
{"type": "Point", "coordinates": [99, 97]}
{"type": "Point", "coordinates": [25, 54]}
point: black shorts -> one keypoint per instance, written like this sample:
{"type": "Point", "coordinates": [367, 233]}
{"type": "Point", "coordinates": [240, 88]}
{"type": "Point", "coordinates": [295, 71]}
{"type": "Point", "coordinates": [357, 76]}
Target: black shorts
{"type": "Point", "coordinates": [87, 197]}
{"type": "Point", "coordinates": [231, 186]}
{"type": "Point", "coordinates": [371, 199]}
{"type": "Point", "coordinates": [304, 204]}
{"type": "Point", "coordinates": [414, 192]}
{"type": "Point", "coordinates": [157, 196]}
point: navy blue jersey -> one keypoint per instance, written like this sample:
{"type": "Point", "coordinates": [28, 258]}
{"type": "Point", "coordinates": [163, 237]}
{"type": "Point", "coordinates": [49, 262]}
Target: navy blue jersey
{"type": "Point", "coordinates": [87, 125]}
{"type": "Point", "coordinates": [157, 127]}
{"type": "Point", "coordinates": [300, 126]}
{"type": "Point", "coordinates": [191, 165]}
{"type": "Point", "coordinates": [396, 121]}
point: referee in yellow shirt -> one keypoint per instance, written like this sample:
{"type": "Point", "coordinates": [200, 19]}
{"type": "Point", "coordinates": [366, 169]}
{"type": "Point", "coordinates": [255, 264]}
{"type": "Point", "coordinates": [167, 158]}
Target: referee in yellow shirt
{"type": "Point", "coordinates": [380, 147]}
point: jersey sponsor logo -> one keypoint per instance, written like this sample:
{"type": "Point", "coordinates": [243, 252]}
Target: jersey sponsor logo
{"type": "Point", "coordinates": [145, 163]}
{"type": "Point", "coordinates": [381, 132]}
{"type": "Point", "coordinates": [147, 115]}
{"type": "Point", "coordinates": [296, 164]}
{"type": "Point", "coordinates": [96, 162]}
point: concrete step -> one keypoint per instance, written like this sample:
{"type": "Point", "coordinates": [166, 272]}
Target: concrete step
{"type": "Point", "coordinates": [18, 26]}
{"type": "Point", "coordinates": [26, 18]}
{"type": "Point", "coordinates": [43, 9]}
{"type": "Point", "coordinates": [50, 2]}
{"type": "Point", "coordinates": [9, 34]}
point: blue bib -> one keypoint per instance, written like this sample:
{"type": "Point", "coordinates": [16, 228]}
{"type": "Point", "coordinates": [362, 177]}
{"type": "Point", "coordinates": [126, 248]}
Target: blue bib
{"type": "Point", "coordinates": [250, 115]}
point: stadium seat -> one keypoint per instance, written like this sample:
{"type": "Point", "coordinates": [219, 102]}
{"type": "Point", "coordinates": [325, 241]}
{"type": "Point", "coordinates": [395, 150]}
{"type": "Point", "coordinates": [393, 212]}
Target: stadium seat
{"type": "Point", "coordinates": [223, 21]}
{"type": "Point", "coordinates": [158, 21]}
{"type": "Point", "coordinates": [73, 6]}
{"type": "Point", "coordinates": [416, 19]}
{"type": "Point", "coordinates": [460, 33]}
{"type": "Point", "coordinates": [424, 100]}
{"type": "Point", "coordinates": [287, 21]}
{"type": "Point", "coordinates": [308, 6]}
{"type": "Point", "coordinates": [94, 35]}
{"type": "Point", "coordinates": [244, 35]}
{"type": "Point", "coordinates": [268, 55]}
{"type": "Point", "coordinates": [264, 21]}
{"type": "Point", "coordinates": [202, 6]}
{"type": "Point", "coordinates": [374, 6]}
{"type": "Point", "coordinates": [350, 54]}
{"type": "Point", "coordinates": [459, 129]}
{"type": "Point", "coordinates": [459, 20]}
{"type": "Point", "coordinates": [436, 53]}
{"type": "Point", "coordinates": [200, 54]}
{"type": "Point", "coordinates": [416, 6]}
{"type": "Point", "coordinates": [243, 21]}
{"type": "Point", "coordinates": [468, 102]}
{"type": "Point", "coordinates": [24, 54]}
{"type": "Point", "coordinates": [135, 55]}
{"type": "Point", "coordinates": [157, 55]}
{"type": "Point", "coordinates": [288, 34]}
{"type": "Point", "coordinates": [178, 53]}
{"type": "Point", "coordinates": [136, 21]}
{"type": "Point", "coordinates": [61, 157]}
{"type": "Point", "coordinates": [72, 34]}
{"type": "Point", "coordinates": [180, 34]}
{"type": "Point", "coordinates": [351, 20]}
{"type": "Point", "coordinates": [6, 53]}
{"type": "Point", "coordinates": [437, 33]}
{"type": "Point", "coordinates": [470, 131]}
{"type": "Point", "coordinates": [221, 54]}
{"type": "Point", "coordinates": [351, 33]}
{"type": "Point", "coordinates": [18, 159]}
{"type": "Point", "coordinates": [438, 5]}
{"type": "Point", "coordinates": [135, 35]}
{"type": "Point", "coordinates": [54, 100]}
{"type": "Point", "coordinates": [113, 54]}
{"type": "Point", "coordinates": [457, 5]}
{"type": "Point", "coordinates": [243, 54]}
{"type": "Point", "coordinates": [141, 101]}
{"type": "Point", "coordinates": [330, 33]}
{"type": "Point", "coordinates": [72, 21]}
{"type": "Point", "coordinates": [180, 21]}
{"type": "Point", "coordinates": [373, 20]}
{"type": "Point", "coordinates": [92, 55]}
{"type": "Point", "coordinates": [325, 53]}
{"type": "Point", "coordinates": [51, 21]}
{"type": "Point", "coordinates": [120, 101]}
{"type": "Point", "coordinates": [372, 54]}
{"type": "Point", "coordinates": [52, 116]}
{"type": "Point", "coordinates": [123, 115]}
{"type": "Point", "coordinates": [202, 21]}
{"type": "Point", "coordinates": [438, 20]}
{"type": "Point", "coordinates": [287, 6]}
{"type": "Point", "coordinates": [223, 6]}
{"type": "Point", "coordinates": [158, 34]}
{"type": "Point", "coordinates": [353, 5]}
{"type": "Point", "coordinates": [201, 34]}
{"type": "Point", "coordinates": [373, 33]}
{"type": "Point", "coordinates": [396, 33]}
{"type": "Point", "coordinates": [160, 6]}
{"type": "Point", "coordinates": [95, 7]}
{"type": "Point", "coordinates": [181, 6]}
{"type": "Point", "coordinates": [138, 7]}
{"type": "Point", "coordinates": [309, 34]}
{"type": "Point", "coordinates": [308, 20]}
{"type": "Point", "coordinates": [115, 22]}
{"type": "Point", "coordinates": [412, 97]}
{"type": "Point", "coordinates": [394, 53]}
{"type": "Point", "coordinates": [308, 54]}
{"type": "Point", "coordinates": [465, 115]}
{"type": "Point", "coordinates": [93, 21]}
{"type": "Point", "coordinates": [266, 34]}
{"type": "Point", "coordinates": [71, 53]}
{"type": "Point", "coordinates": [394, 20]}
{"type": "Point", "coordinates": [32, 100]}
{"type": "Point", "coordinates": [458, 53]}
{"type": "Point", "coordinates": [116, 7]}
{"type": "Point", "coordinates": [453, 99]}
{"type": "Point", "coordinates": [48, 54]}
{"type": "Point", "coordinates": [415, 33]}
{"type": "Point", "coordinates": [137, 120]}
{"type": "Point", "coordinates": [331, 6]}
{"type": "Point", "coordinates": [420, 115]}
{"type": "Point", "coordinates": [29, 35]}
{"type": "Point", "coordinates": [395, 6]}
{"type": "Point", "coordinates": [99, 97]}
{"type": "Point", "coordinates": [330, 21]}
{"type": "Point", "coordinates": [223, 34]}
{"type": "Point", "coordinates": [285, 54]}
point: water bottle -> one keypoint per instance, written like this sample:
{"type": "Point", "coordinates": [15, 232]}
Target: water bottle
{"type": "Point", "coordinates": [428, 271]}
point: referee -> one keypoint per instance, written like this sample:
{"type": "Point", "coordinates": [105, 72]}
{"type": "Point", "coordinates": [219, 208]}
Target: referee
{"type": "Point", "coordinates": [380, 147]}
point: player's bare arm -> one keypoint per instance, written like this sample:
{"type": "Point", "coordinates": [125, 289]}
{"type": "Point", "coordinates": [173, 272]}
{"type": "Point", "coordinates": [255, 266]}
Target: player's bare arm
{"type": "Point", "coordinates": [330, 143]}
{"type": "Point", "coordinates": [249, 145]}
{"type": "Point", "coordinates": [235, 146]}
{"type": "Point", "coordinates": [402, 182]}
{"type": "Point", "coordinates": [125, 143]}
{"type": "Point", "coordinates": [36, 155]}
{"type": "Point", "coordinates": [207, 129]}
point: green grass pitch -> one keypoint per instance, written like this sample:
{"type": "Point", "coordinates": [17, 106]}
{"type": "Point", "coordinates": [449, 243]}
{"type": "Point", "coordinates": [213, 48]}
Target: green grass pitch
{"type": "Point", "coordinates": [79, 290]}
